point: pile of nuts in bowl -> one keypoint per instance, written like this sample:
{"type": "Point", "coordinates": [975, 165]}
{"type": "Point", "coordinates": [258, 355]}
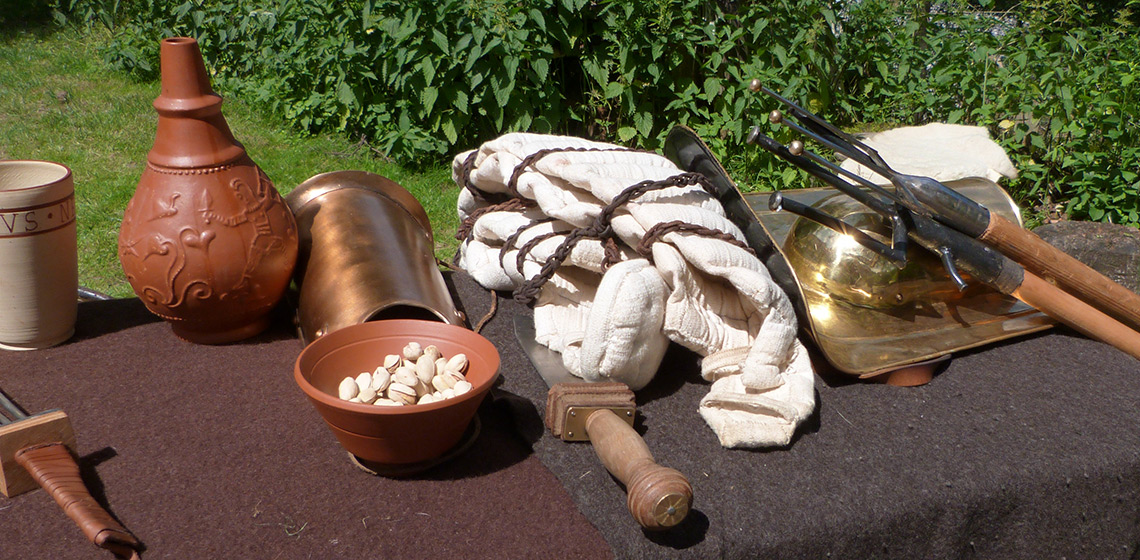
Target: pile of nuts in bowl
{"type": "Point", "coordinates": [421, 375]}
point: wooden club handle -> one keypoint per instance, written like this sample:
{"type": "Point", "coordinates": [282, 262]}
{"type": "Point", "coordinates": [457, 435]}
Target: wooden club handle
{"type": "Point", "coordinates": [659, 497]}
{"type": "Point", "coordinates": [53, 467]}
{"type": "Point", "coordinates": [1068, 309]}
{"type": "Point", "coordinates": [1043, 259]}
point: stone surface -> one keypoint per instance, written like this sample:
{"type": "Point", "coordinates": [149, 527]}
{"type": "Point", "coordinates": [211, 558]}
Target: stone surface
{"type": "Point", "coordinates": [1111, 249]}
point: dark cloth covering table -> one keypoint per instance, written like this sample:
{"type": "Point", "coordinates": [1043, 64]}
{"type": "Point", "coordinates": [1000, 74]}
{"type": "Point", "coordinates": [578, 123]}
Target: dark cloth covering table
{"type": "Point", "coordinates": [1027, 449]}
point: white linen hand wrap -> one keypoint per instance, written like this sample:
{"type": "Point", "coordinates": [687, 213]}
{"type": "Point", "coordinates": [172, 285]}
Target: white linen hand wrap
{"type": "Point", "coordinates": [579, 209]}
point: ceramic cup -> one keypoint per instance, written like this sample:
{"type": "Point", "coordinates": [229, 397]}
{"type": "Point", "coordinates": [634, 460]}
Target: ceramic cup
{"type": "Point", "coordinates": [38, 259]}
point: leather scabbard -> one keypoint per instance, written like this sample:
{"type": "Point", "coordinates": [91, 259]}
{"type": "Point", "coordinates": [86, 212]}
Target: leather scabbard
{"type": "Point", "coordinates": [54, 469]}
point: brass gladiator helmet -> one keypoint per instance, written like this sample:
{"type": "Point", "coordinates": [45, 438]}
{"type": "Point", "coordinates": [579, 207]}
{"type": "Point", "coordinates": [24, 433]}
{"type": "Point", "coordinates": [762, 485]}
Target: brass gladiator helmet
{"type": "Point", "coordinates": [867, 314]}
{"type": "Point", "coordinates": [833, 263]}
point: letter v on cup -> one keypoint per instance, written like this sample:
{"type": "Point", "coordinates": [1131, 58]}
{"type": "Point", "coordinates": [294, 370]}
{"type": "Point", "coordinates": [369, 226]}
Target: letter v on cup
{"type": "Point", "coordinates": [38, 259]}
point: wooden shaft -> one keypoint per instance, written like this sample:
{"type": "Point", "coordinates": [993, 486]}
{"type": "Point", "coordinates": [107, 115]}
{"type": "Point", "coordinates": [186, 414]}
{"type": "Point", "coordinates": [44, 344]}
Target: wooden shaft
{"type": "Point", "coordinates": [1043, 259]}
{"type": "Point", "coordinates": [1083, 317]}
{"type": "Point", "coordinates": [658, 497]}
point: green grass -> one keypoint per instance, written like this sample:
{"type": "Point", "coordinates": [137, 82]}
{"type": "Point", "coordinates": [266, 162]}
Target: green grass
{"type": "Point", "coordinates": [60, 102]}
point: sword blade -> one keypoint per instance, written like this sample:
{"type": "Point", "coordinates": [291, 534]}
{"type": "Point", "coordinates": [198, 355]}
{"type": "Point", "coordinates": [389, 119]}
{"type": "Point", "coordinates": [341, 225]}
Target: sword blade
{"type": "Point", "coordinates": [12, 412]}
{"type": "Point", "coordinates": [546, 361]}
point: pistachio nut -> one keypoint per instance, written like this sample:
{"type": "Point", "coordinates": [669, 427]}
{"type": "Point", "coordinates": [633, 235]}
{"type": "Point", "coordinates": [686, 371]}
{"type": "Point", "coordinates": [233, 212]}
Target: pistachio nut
{"type": "Point", "coordinates": [413, 351]}
{"type": "Point", "coordinates": [462, 387]}
{"type": "Point", "coordinates": [401, 393]}
{"type": "Point", "coordinates": [440, 382]}
{"type": "Point", "coordinates": [380, 379]}
{"type": "Point", "coordinates": [433, 351]}
{"type": "Point", "coordinates": [367, 395]}
{"type": "Point", "coordinates": [425, 368]}
{"type": "Point", "coordinates": [348, 388]}
{"type": "Point", "coordinates": [458, 363]}
{"type": "Point", "coordinates": [364, 380]}
{"type": "Point", "coordinates": [406, 376]}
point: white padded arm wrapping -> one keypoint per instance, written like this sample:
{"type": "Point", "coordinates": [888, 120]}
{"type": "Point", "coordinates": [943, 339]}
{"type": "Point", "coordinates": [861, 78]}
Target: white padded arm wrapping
{"type": "Point", "coordinates": [612, 317]}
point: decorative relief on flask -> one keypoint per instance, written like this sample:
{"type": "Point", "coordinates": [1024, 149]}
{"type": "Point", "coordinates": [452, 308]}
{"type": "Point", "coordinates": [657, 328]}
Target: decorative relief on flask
{"type": "Point", "coordinates": [206, 242]}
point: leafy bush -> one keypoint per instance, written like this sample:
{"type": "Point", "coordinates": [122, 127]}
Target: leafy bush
{"type": "Point", "coordinates": [1068, 111]}
{"type": "Point", "coordinates": [1051, 79]}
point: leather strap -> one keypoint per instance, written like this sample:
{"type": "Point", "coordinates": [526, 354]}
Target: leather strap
{"type": "Point", "coordinates": [52, 466]}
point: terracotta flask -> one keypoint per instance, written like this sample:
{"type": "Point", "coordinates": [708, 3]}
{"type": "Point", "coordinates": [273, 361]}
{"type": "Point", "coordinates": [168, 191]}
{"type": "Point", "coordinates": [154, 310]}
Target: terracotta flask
{"type": "Point", "coordinates": [206, 242]}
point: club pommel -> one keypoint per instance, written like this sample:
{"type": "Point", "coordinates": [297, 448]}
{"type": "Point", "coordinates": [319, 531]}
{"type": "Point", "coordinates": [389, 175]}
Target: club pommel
{"type": "Point", "coordinates": [603, 413]}
{"type": "Point", "coordinates": [659, 497]}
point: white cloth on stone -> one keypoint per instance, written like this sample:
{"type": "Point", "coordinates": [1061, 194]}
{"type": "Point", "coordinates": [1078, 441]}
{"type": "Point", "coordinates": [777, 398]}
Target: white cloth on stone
{"type": "Point", "coordinates": [613, 324]}
{"type": "Point", "coordinates": [944, 152]}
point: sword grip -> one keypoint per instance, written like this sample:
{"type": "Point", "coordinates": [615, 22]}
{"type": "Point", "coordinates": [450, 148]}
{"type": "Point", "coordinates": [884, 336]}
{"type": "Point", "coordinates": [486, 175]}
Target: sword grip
{"type": "Point", "coordinates": [52, 466]}
{"type": "Point", "coordinates": [658, 497]}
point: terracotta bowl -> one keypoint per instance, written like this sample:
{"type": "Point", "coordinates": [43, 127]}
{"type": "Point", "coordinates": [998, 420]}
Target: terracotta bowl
{"type": "Point", "coordinates": [394, 435]}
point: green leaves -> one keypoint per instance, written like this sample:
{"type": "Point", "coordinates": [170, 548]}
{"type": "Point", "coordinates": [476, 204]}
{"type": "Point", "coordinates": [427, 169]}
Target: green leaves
{"type": "Point", "coordinates": [460, 101]}
{"type": "Point", "coordinates": [643, 120]}
{"type": "Point", "coordinates": [427, 98]}
{"type": "Point", "coordinates": [423, 80]}
{"type": "Point", "coordinates": [448, 128]}
{"type": "Point", "coordinates": [541, 68]}
{"type": "Point", "coordinates": [345, 95]}
{"type": "Point", "coordinates": [614, 89]}
{"type": "Point", "coordinates": [596, 71]}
